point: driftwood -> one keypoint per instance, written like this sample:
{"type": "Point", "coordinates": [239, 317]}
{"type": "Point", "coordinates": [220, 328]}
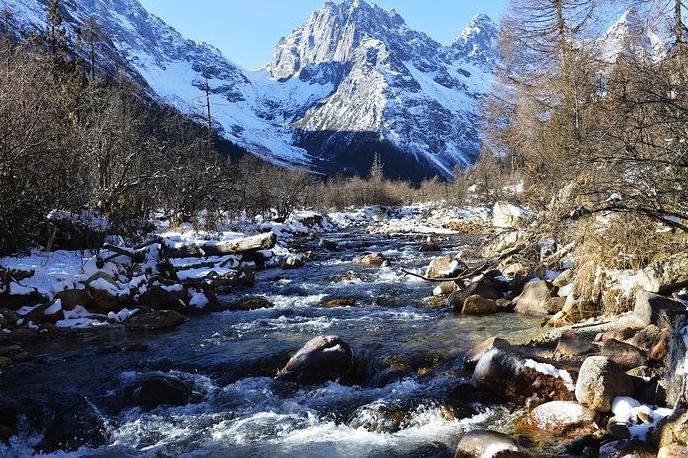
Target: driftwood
{"type": "Point", "coordinates": [238, 246]}
{"type": "Point", "coordinates": [464, 275]}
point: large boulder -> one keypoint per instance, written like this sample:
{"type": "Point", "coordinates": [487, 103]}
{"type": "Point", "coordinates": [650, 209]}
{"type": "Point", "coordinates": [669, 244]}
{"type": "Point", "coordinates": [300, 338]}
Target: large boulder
{"type": "Point", "coordinates": [160, 298]}
{"type": "Point", "coordinates": [535, 299]}
{"type": "Point", "coordinates": [600, 381]}
{"type": "Point", "coordinates": [560, 416]}
{"type": "Point", "coordinates": [671, 430]}
{"type": "Point", "coordinates": [478, 305]}
{"type": "Point", "coordinates": [506, 215]}
{"type": "Point", "coordinates": [488, 444]}
{"type": "Point", "coordinates": [510, 375]}
{"type": "Point", "coordinates": [154, 390]}
{"type": "Point", "coordinates": [323, 358]}
{"type": "Point", "coordinates": [627, 356]}
{"type": "Point", "coordinates": [654, 309]}
{"type": "Point", "coordinates": [444, 267]}
{"type": "Point", "coordinates": [666, 275]}
{"type": "Point", "coordinates": [373, 259]}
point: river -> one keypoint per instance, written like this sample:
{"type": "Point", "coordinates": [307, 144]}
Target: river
{"type": "Point", "coordinates": [411, 402]}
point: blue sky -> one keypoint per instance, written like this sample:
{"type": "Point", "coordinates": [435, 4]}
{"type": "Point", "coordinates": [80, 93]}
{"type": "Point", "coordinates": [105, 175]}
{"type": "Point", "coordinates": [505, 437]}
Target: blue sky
{"type": "Point", "coordinates": [247, 30]}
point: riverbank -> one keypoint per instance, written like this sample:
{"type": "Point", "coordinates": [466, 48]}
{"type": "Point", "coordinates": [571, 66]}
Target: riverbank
{"type": "Point", "coordinates": [409, 383]}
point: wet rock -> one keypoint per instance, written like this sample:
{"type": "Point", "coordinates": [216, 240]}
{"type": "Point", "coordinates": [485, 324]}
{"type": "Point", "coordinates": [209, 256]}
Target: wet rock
{"type": "Point", "coordinates": [666, 275]}
{"type": "Point", "coordinates": [227, 283]}
{"type": "Point", "coordinates": [629, 448]}
{"type": "Point", "coordinates": [334, 302]}
{"type": "Point", "coordinates": [373, 259]}
{"type": "Point", "coordinates": [587, 445]}
{"type": "Point", "coordinates": [535, 299]}
{"type": "Point", "coordinates": [329, 245]}
{"type": "Point", "coordinates": [23, 335]}
{"type": "Point", "coordinates": [151, 391]}
{"type": "Point", "coordinates": [429, 246]}
{"type": "Point", "coordinates": [444, 267]}
{"type": "Point", "coordinates": [5, 361]}
{"type": "Point", "coordinates": [625, 355]}
{"type": "Point", "coordinates": [571, 344]}
{"type": "Point", "coordinates": [250, 303]}
{"type": "Point", "coordinates": [323, 358]}
{"type": "Point", "coordinates": [379, 418]}
{"type": "Point", "coordinates": [294, 262]}
{"type": "Point", "coordinates": [478, 351]}
{"type": "Point", "coordinates": [658, 310]}
{"type": "Point", "coordinates": [513, 376]}
{"type": "Point", "coordinates": [154, 320]}
{"type": "Point", "coordinates": [600, 381]}
{"type": "Point", "coordinates": [478, 305]}
{"type": "Point", "coordinates": [560, 416]}
{"type": "Point", "coordinates": [60, 421]}
{"type": "Point", "coordinates": [159, 298]}
{"type": "Point", "coordinates": [488, 444]}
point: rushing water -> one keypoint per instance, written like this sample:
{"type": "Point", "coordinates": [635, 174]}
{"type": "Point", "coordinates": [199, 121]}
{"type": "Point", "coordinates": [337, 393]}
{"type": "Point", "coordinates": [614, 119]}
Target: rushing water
{"type": "Point", "coordinates": [408, 405]}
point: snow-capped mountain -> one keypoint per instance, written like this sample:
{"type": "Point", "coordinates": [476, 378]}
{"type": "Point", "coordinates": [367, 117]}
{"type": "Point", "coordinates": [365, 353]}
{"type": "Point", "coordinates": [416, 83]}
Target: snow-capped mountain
{"type": "Point", "coordinates": [354, 80]}
{"type": "Point", "coordinates": [633, 35]}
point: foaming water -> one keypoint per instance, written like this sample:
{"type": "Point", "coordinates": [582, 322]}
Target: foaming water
{"type": "Point", "coordinates": [404, 406]}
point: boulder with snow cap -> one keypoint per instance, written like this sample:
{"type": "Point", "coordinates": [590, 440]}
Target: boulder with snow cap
{"type": "Point", "coordinates": [506, 216]}
{"type": "Point", "coordinates": [488, 444]}
{"type": "Point", "coordinates": [158, 297]}
{"type": "Point", "coordinates": [294, 262]}
{"type": "Point", "coordinates": [600, 381]}
{"type": "Point", "coordinates": [474, 354]}
{"type": "Point", "coordinates": [510, 375]}
{"type": "Point", "coordinates": [560, 416]}
{"type": "Point", "coordinates": [444, 267]}
{"type": "Point", "coordinates": [321, 359]}
{"type": "Point", "coordinates": [105, 292]}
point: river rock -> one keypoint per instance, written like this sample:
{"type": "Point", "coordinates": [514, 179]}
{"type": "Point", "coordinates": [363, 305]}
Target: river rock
{"type": "Point", "coordinates": [105, 292]}
{"type": "Point", "coordinates": [445, 289]}
{"type": "Point", "coordinates": [571, 344]}
{"type": "Point", "coordinates": [250, 303]}
{"type": "Point", "coordinates": [655, 309]}
{"type": "Point", "coordinates": [159, 298]}
{"type": "Point", "coordinates": [333, 302]}
{"type": "Point", "coordinates": [154, 320]}
{"type": "Point", "coordinates": [512, 376]}
{"type": "Point", "coordinates": [323, 358]}
{"type": "Point", "coordinates": [329, 245]}
{"type": "Point", "coordinates": [600, 381]}
{"type": "Point", "coordinates": [560, 416]}
{"type": "Point", "coordinates": [535, 299]}
{"type": "Point", "coordinates": [627, 448]}
{"type": "Point", "coordinates": [72, 297]}
{"type": "Point", "coordinates": [429, 246]}
{"type": "Point", "coordinates": [478, 351]}
{"type": "Point", "coordinates": [444, 267]}
{"type": "Point", "coordinates": [151, 391]}
{"type": "Point", "coordinates": [379, 418]}
{"type": "Point", "coordinates": [660, 348]}
{"type": "Point", "coordinates": [666, 275]}
{"type": "Point", "coordinates": [645, 337]}
{"type": "Point", "coordinates": [488, 444]}
{"type": "Point", "coordinates": [294, 262]}
{"type": "Point", "coordinates": [627, 356]}
{"type": "Point", "coordinates": [485, 287]}
{"type": "Point", "coordinates": [478, 305]}
{"type": "Point", "coordinates": [373, 259]}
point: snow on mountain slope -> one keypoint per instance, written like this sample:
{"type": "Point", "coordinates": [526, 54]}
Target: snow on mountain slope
{"type": "Point", "coordinates": [632, 35]}
{"type": "Point", "coordinates": [353, 74]}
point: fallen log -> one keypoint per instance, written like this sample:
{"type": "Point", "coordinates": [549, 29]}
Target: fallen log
{"type": "Point", "coordinates": [238, 246]}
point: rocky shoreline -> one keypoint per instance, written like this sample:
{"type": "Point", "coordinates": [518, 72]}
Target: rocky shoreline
{"type": "Point", "coordinates": [595, 384]}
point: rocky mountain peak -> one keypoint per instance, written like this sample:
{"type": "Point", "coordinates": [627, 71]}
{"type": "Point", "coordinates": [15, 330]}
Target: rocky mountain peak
{"type": "Point", "coordinates": [477, 41]}
{"type": "Point", "coordinates": [632, 35]}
